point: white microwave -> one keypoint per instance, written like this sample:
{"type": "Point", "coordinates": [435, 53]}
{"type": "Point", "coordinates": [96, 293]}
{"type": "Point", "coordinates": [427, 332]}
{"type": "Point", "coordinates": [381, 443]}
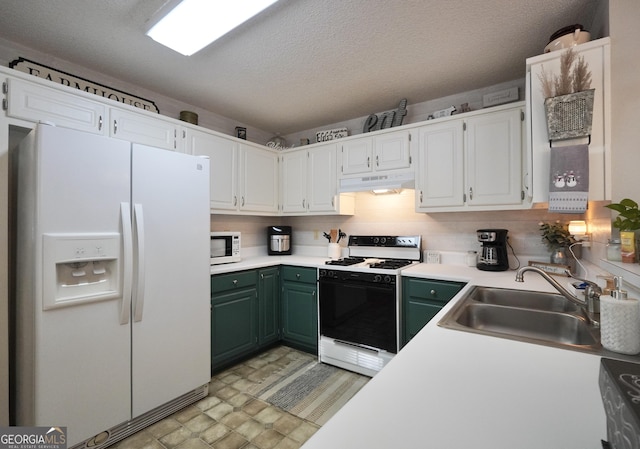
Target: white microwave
{"type": "Point", "coordinates": [225, 247]}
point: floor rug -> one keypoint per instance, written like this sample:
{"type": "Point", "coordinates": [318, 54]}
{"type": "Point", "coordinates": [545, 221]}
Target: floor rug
{"type": "Point", "coordinates": [311, 390]}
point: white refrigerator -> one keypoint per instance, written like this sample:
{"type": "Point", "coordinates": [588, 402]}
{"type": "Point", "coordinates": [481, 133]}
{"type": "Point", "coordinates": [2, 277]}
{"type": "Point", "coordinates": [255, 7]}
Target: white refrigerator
{"type": "Point", "coordinates": [113, 284]}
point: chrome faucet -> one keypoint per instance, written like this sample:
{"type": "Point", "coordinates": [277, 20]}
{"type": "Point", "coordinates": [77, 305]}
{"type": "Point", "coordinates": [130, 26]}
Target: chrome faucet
{"type": "Point", "coordinates": [591, 303]}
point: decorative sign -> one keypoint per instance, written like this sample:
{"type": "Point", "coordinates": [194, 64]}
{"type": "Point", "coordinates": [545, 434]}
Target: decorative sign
{"type": "Point", "coordinates": [387, 119]}
{"type": "Point", "coordinates": [66, 79]}
{"type": "Point", "coordinates": [331, 134]}
{"type": "Point", "coordinates": [551, 268]}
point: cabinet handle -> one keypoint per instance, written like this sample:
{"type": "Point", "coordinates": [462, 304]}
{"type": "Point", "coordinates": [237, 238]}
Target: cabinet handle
{"type": "Point", "coordinates": [377, 161]}
{"type": "Point", "coordinates": [100, 123]}
{"type": "Point", "coordinates": [242, 202]}
{"type": "Point", "coordinates": [470, 193]}
{"type": "Point", "coordinates": [420, 196]}
{"type": "Point", "coordinates": [115, 126]}
{"type": "Point", "coordinates": [235, 200]}
{"type": "Point", "coordinates": [303, 204]}
{"type": "Point", "coordinates": [368, 162]}
{"type": "Point", "coordinates": [261, 275]}
{"type": "Point", "coordinates": [235, 282]}
{"type": "Point", "coordinates": [297, 275]}
{"type": "Point", "coordinates": [433, 292]}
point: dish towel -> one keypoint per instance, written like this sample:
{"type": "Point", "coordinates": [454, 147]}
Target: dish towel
{"type": "Point", "coordinates": [569, 183]}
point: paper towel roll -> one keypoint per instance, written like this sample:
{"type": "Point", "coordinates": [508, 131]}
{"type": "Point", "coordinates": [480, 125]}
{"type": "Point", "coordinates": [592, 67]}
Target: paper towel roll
{"type": "Point", "coordinates": [620, 324]}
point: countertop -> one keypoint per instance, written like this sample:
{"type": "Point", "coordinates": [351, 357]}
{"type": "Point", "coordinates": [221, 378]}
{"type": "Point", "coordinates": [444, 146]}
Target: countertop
{"type": "Point", "coordinates": [452, 389]}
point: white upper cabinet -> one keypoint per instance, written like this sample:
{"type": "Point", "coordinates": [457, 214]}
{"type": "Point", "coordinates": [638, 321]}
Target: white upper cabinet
{"type": "Point", "coordinates": [471, 163]}
{"type": "Point", "coordinates": [34, 102]}
{"type": "Point", "coordinates": [223, 159]}
{"type": "Point", "coordinates": [596, 55]}
{"type": "Point", "coordinates": [310, 182]}
{"type": "Point", "coordinates": [440, 170]}
{"type": "Point", "coordinates": [140, 128]}
{"type": "Point", "coordinates": [258, 188]}
{"type": "Point", "coordinates": [493, 145]}
{"type": "Point", "coordinates": [382, 152]}
{"type": "Point", "coordinates": [294, 181]}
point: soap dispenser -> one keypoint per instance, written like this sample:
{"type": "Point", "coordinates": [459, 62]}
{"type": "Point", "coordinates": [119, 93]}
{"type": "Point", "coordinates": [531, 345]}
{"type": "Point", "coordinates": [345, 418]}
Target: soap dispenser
{"type": "Point", "coordinates": [620, 321]}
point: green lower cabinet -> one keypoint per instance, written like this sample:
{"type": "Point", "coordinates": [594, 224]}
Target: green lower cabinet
{"type": "Point", "coordinates": [233, 324]}
{"type": "Point", "coordinates": [422, 299]}
{"type": "Point", "coordinates": [268, 306]}
{"type": "Point", "coordinates": [300, 308]}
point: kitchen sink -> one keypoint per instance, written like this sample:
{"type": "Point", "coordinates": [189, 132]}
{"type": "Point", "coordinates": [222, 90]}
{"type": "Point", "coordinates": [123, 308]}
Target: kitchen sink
{"type": "Point", "coordinates": [550, 302]}
{"type": "Point", "coordinates": [534, 317]}
{"type": "Point", "coordinates": [561, 328]}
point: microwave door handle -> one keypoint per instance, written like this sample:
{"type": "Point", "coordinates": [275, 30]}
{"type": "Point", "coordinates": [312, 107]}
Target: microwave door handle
{"type": "Point", "coordinates": [127, 260]}
{"type": "Point", "coordinates": [138, 304]}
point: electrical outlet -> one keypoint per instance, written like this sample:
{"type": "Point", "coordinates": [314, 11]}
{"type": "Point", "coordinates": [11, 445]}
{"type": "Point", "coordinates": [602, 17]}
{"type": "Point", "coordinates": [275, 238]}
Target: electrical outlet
{"type": "Point", "coordinates": [433, 257]}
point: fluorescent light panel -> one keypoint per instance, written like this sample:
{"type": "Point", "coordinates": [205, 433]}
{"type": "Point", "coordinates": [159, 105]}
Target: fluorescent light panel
{"type": "Point", "coordinates": [194, 24]}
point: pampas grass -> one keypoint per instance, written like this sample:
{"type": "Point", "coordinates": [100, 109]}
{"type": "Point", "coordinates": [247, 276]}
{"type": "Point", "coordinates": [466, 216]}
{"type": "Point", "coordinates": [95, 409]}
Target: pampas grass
{"type": "Point", "coordinates": [574, 76]}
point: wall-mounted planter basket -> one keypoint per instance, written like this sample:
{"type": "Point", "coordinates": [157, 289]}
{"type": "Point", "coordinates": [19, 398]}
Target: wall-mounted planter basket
{"type": "Point", "coordinates": [569, 116]}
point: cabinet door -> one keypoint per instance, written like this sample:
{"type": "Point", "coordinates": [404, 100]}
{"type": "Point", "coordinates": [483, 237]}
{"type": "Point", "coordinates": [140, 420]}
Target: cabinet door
{"type": "Point", "coordinates": [233, 324]}
{"type": "Point", "coordinates": [391, 151]}
{"type": "Point", "coordinates": [596, 54]}
{"type": "Point", "coordinates": [440, 173]}
{"type": "Point", "coordinates": [300, 315]}
{"type": "Point", "coordinates": [139, 128]}
{"type": "Point", "coordinates": [33, 102]}
{"type": "Point", "coordinates": [258, 179]}
{"type": "Point", "coordinates": [294, 181]}
{"type": "Point", "coordinates": [493, 144]}
{"type": "Point", "coordinates": [357, 156]}
{"type": "Point", "coordinates": [268, 306]}
{"type": "Point", "coordinates": [422, 299]}
{"type": "Point", "coordinates": [223, 158]}
{"type": "Point", "coordinates": [322, 184]}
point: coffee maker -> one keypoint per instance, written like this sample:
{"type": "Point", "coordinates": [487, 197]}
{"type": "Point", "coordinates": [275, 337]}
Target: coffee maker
{"type": "Point", "coordinates": [494, 250]}
{"type": "Point", "coordinates": [279, 240]}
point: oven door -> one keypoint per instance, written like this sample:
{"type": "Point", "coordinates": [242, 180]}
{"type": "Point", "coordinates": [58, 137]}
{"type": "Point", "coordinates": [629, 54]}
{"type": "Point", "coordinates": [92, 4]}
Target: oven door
{"type": "Point", "coordinates": [359, 312]}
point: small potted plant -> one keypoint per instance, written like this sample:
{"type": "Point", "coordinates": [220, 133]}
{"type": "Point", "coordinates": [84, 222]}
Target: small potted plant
{"type": "Point", "coordinates": [628, 222]}
{"type": "Point", "coordinates": [557, 238]}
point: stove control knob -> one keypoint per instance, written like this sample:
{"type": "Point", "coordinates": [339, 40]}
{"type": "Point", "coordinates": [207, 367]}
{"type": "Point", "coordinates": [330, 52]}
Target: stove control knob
{"type": "Point", "coordinates": [377, 278]}
{"type": "Point", "coordinates": [387, 279]}
{"type": "Point", "coordinates": [376, 240]}
{"type": "Point", "coordinates": [331, 273]}
{"type": "Point", "coordinates": [322, 273]}
{"type": "Point", "coordinates": [383, 240]}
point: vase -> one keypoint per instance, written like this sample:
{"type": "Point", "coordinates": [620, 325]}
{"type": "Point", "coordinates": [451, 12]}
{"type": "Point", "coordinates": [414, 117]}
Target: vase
{"type": "Point", "coordinates": [562, 256]}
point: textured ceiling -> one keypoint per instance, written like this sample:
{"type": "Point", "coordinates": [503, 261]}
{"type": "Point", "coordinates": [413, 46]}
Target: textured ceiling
{"type": "Point", "coordinates": [304, 63]}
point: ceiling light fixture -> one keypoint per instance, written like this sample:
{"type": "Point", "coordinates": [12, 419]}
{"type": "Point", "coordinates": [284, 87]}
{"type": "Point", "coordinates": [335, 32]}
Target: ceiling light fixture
{"type": "Point", "coordinates": [191, 25]}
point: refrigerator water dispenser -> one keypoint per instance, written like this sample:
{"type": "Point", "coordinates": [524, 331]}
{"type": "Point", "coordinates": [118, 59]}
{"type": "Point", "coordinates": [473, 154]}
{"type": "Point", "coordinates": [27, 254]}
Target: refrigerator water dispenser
{"type": "Point", "coordinates": [80, 268]}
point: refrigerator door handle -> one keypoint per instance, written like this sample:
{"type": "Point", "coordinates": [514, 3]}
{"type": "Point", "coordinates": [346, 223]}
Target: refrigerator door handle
{"type": "Point", "coordinates": [127, 261]}
{"type": "Point", "coordinates": [138, 303]}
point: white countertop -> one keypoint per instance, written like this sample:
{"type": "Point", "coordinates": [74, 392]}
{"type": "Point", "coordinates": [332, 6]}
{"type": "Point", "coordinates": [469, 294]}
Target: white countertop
{"type": "Point", "coordinates": [452, 389]}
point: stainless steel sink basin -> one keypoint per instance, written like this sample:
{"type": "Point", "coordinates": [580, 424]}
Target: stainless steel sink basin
{"type": "Point", "coordinates": [560, 328]}
{"type": "Point", "coordinates": [534, 317]}
{"type": "Point", "coordinates": [523, 299]}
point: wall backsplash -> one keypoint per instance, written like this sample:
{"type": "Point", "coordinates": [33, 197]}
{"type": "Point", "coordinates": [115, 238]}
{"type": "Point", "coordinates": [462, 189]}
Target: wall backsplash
{"type": "Point", "coordinates": [443, 231]}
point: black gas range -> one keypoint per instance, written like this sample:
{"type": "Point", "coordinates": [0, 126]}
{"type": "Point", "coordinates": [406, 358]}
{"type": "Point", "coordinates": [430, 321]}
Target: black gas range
{"type": "Point", "coordinates": [358, 301]}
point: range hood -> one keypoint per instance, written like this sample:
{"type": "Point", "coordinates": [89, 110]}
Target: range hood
{"type": "Point", "coordinates": [404, 180]}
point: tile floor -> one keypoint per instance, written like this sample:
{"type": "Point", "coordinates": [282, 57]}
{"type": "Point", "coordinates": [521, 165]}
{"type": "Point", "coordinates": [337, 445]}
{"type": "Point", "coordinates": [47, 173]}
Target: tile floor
{"type": "Point", "coordinates": [229, 418]}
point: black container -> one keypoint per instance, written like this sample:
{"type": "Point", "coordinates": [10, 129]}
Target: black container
{"type": "Point", "coordinates": [494, 250]}
{"type": "Point", "coordinates": [279, 242]}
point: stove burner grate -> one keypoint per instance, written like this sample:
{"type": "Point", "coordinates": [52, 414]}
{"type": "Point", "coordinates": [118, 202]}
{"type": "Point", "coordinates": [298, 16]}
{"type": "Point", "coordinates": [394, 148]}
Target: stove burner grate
{"type": "Point", "coordinates": [390, 264]}
{"type": "Point", "coordinates": [346, 261]}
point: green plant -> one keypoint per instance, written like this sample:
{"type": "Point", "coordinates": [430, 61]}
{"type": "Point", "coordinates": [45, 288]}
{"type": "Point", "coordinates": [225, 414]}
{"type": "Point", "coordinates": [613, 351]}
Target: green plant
{"type": "Point", "coordinates": [556, 235]}
{"type": "Point", "coordinates": [628, 218]}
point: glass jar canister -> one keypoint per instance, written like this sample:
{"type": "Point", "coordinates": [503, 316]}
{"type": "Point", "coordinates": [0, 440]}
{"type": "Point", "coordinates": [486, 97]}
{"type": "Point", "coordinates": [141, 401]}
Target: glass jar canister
{"type": "Point", "coordinates": [613, 250]}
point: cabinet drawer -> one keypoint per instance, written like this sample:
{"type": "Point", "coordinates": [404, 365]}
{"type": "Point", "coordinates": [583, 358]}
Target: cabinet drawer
{"type": "Point", "coordinates": [299, 274]}
{"type": "Point", "coordinates": [241, 279]}
{"type": "Point", "coordinates": [441, 291]}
